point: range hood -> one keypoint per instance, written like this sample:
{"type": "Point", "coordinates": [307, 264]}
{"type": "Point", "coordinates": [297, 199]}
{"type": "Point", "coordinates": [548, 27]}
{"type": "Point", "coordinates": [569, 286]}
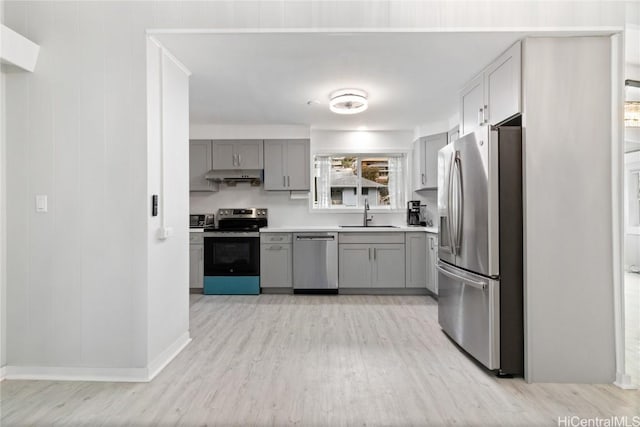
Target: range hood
{"type": "Point", "coordinates": [233, 176]}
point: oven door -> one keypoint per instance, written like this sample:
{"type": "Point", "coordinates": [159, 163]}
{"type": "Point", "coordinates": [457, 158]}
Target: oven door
{"type": "Point", "coordinates": [231, 256]}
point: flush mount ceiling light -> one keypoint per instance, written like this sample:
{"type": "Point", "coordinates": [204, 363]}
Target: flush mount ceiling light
{"type": "Point", "coordinates": [348, 101]}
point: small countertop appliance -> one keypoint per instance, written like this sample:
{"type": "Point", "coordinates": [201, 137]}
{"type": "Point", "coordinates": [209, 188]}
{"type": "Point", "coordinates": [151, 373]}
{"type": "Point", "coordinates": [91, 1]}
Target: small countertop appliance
{"type": "Point", "coordinates": [201, 220]}
{"type": "Point", "coordinates": [413, 212]}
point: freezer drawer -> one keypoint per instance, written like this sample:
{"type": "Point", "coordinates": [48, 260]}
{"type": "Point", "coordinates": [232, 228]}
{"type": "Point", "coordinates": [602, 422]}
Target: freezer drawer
{"type": "Point", "coordinates": [469, 312]}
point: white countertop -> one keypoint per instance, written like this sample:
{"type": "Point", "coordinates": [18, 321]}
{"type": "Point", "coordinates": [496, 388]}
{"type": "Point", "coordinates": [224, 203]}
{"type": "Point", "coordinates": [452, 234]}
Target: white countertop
{"type": "Point", "coordinates": [196, 230]}
{"type": "Point", "coordinates": [337, 228]}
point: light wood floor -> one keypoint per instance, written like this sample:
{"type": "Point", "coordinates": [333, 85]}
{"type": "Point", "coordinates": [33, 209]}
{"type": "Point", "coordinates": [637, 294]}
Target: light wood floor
{"type": "Point", "coordinates": [313, 361]}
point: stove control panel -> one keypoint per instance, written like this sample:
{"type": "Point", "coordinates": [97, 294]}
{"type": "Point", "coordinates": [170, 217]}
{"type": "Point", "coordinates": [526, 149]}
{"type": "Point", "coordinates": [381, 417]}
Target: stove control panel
{"type": "Point", "coordinates": [242, 213]}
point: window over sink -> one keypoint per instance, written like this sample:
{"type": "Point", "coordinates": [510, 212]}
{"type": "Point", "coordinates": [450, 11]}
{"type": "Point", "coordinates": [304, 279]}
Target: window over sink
{"type": "Point", "coordinates": [344, 181]}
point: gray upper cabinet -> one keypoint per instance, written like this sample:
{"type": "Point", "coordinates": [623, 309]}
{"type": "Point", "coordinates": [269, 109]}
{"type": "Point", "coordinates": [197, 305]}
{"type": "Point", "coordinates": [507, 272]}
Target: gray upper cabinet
{"type": "Point", "coordinates": [494, 95]}
{"type": "Point", "coordinates": [471, 105]}
{"type": "Point", "coordinates": [416, 260]}
{"type": "Point", "coordinates": [286, 164]}
{"type": "Point", "coordinates": [200, 162]}
{"type": "Point", "coordinates": [237, 154]}
{"type": "Point", "coordinates": [502, 86]}
{"type": "Point", "coordinates": [453, 134]}
{"type": "Point", "coordinates": [425, 161]}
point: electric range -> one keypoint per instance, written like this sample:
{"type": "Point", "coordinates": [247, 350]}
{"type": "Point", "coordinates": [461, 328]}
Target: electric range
{"type": "Point", "coordinates": [232, 252]}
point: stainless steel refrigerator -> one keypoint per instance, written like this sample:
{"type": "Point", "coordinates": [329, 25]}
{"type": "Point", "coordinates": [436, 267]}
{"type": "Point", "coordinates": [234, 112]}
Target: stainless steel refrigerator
{"type": "Point", "coordinates": [480, 271]}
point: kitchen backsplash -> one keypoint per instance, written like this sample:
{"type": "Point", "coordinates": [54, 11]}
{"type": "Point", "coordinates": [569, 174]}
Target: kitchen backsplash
{"type": "Point", "coordinates": [284, 211]}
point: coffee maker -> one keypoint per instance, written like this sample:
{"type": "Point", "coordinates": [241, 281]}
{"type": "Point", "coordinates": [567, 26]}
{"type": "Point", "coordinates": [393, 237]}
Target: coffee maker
{"type": "Point", "coordinates": [413, 212]}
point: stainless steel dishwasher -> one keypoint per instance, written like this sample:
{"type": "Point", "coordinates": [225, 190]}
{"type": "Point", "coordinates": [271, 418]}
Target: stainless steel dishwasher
{"type": "Point", "coordinates": [315, 261]}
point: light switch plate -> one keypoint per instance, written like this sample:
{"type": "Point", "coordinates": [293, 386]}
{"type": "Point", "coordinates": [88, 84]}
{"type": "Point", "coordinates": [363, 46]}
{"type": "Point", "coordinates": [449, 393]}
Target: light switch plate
{"type": "Point", "coordinates": [41, 203]}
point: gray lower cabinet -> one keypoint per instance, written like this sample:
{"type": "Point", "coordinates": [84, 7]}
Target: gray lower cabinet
{"type": "Point", "coordinates": [432, 259]}
{"type": "Point", "coordinates": [371, 261]}
{"type": "Point", "coordinates": [388, 266]}
{"type": "Point", "coordinates": [276, 267]}
{"type": "Point", "coordinates": [416, 260]}
{"type": "Point", "coordinates": [196, 261]}
{"type": "Point", "coordinates": [354, 266]}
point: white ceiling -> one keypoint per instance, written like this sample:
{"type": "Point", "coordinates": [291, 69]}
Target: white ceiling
{"type": "Point", "coordinates": [260, 79]}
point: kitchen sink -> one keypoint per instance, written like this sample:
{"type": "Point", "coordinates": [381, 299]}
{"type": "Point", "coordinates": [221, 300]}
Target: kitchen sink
{"type": "Point", "coordinates": [369, 226]}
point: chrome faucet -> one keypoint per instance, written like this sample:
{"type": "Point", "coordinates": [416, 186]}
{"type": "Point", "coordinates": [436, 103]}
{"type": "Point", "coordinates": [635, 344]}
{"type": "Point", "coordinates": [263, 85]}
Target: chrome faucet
{"type": "Point", "coordinates": [366, 219]}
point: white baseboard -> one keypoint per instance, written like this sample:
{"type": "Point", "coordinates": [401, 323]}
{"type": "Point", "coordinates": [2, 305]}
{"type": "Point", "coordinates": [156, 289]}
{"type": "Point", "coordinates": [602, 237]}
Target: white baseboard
{"type": "Point", "coordinates": [164, 358]}
{"type": "Point", "coordinates": [624, 382]}
{"type": "Point", "coordinates": [60, 373]}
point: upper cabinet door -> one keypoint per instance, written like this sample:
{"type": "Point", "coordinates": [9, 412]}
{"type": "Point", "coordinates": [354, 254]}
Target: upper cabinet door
{"type": "Point", "coordinates": [502, 84]}
{"type": "Point", "coordinates": [224, 156]}
{"type": "Point", "coordinates": [433, 144]}
{"type": "Point", "coordinates": [297, 161]}
{"type": "Point", "coordinates": [453, 134]}
{"type": "Point", "coordinates": [472, 105]}
{"type": "Point", "coordinates": [200, 162]}
{"type": "Point", "coordinates": [249, 154]}
{"type": "Point", "coordinates": [418, 164]}
{"type": "Point", "coordinates": [275, 176]}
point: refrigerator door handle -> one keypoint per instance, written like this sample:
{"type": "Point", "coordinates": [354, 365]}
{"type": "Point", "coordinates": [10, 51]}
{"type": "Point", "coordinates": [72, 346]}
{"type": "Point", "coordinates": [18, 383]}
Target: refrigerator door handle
{"type": "Point", "coordinates": [467, 281]}
{"type": "Point", "coordinates": [449, 209]}
{"type": "Point", "coordinates": [459, 200]}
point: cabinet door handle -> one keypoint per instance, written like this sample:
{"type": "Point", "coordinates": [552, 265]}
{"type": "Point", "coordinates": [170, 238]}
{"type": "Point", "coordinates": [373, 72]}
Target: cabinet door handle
{"type": "Point", "coordinates": [284, 181]}
{"type": "Point", "coordinates": [277, 239]}
{"type": "Point", "coordinates": [485, 114]}
{"type": "Point", "coordinates": [480, 117]}
{"type": "Point", "coordinates": [374, 253]}
{"type": "Point", "coordinates": [422, 178]}
{"type": "Point", "coordinates": [275, 248]}
{"type": "Point", "coordinates": [288, 181]}
{"type": "Point", "coordinates": [431, 243]}
{"type": "Point", "coordinates": [239, 160]}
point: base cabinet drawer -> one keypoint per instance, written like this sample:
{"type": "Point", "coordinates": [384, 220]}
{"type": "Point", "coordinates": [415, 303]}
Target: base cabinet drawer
{"type": "Point", "coordinates": [276, 268]}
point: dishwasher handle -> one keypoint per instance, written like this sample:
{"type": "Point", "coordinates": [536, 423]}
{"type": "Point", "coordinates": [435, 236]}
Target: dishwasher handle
{"type": "Point", "coordinates": [327, 238]}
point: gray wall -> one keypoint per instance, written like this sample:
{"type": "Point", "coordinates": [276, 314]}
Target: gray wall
{"type": "Point", "coordinates": [568, 268]}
